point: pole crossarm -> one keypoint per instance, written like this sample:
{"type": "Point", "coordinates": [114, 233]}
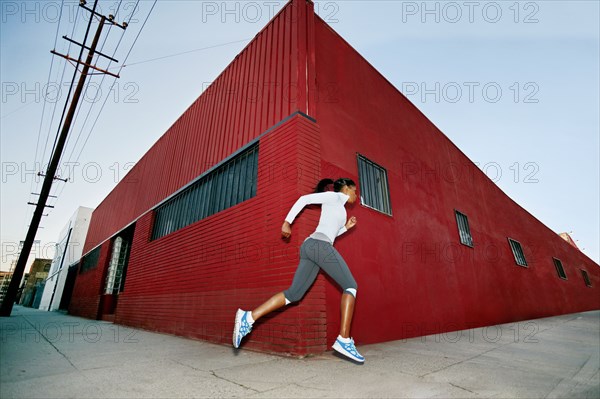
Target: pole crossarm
{"type": "Point", "coordinates": [34, 204]}
{"type": "Point", "coordinates": [77, 62]}
{"type": "Point", "coordinates": [87, 48]}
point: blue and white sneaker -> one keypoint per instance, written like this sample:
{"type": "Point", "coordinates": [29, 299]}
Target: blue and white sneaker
{"type": "Point", "coordinates": [241, 328]}
{"type": "Point", "coordinates": [348, 349]}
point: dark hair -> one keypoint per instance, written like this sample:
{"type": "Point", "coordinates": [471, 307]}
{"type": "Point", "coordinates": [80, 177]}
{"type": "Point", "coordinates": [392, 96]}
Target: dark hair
{"type": "Point", "coordinates": [337, 185]}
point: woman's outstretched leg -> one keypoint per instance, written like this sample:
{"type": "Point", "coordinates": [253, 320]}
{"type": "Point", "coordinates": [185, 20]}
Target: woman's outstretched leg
{"type": "Point", "coordinates": [305, 275]}
{"type": "Point", "coordinates": [274, 303]}
{"type": "Point", "coordinates": [245, 320]}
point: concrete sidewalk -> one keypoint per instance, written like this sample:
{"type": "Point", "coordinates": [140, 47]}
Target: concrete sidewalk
{"type": "Point", "coordinates": [52, 355]}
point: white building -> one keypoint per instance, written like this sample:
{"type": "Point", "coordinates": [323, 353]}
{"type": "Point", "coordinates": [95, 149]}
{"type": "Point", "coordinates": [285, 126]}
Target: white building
{"type": "Point", "coordinates": [69, 249]}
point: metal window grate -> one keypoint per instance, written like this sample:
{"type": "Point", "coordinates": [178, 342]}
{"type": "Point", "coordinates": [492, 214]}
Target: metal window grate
{"type": "Point", "coordinates": [115, 278]}
{"type": "Point", "coordinates": [464, 231]}
{"type": "Point", "coordinates": [586, 278]}
{"type": "Point", "coordinates": [374, 186]}
{"type": "Point", "coordinates": [560, 270]}
{"type": "Point", "coordinates": [517, 251]}
{"type": "Point", "coordinates": [228, 185]}
{"type": "Point", "coordinates": [90, 261]}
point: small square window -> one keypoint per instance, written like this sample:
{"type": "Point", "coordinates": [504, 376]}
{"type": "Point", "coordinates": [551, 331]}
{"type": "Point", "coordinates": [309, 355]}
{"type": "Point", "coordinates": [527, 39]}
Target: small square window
{"type": "Point", "coordinates": [463, 229]}
{"type": "Point", "coordinates": [517, 251]}
{"type": "Point", "coordinates": [586, 278]}
{"type": "Point", "coordinates": [374, 187]}
{"type": "Point", "coordinates": [560, 270]}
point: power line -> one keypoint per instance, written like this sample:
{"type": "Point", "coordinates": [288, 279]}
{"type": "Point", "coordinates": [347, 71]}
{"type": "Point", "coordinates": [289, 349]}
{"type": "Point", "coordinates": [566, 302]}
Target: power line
{"type": "Point", "coordinates": [56, 102]}
{"type": "Point", "coordinates": [61, 80]}
{"type": "Point", "coordinates": [182, 53]}
{"type": "Point", "coordinates": [7, 304]}
{"type": "Point", "coordinates": [111, 87]}
{"type": "Point", "coordinates": [87, 31]}
{"type": "Point", "coordinates": [103, 77]}
{"type": "Point", "coordinates": [47, 84]}
{"type": "Point", "coordinates": [34, 180]}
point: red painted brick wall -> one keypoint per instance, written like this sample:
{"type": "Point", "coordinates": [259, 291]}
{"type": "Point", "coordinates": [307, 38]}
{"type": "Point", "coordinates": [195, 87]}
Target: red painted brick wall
{"type": "Point", "coordinates": [192, 281]}
{"type": "Point", "coordinates": [85, 300]}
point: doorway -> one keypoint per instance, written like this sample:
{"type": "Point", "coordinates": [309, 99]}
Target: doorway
{"type": "Point", "coordinates": [114, 283]}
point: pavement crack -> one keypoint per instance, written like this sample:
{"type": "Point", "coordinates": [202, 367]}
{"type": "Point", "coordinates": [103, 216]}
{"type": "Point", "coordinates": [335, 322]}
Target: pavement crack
{"type": "Point", "coordinates": [214, 374]}
{"type": "Point", "coordinates": [459, 362]}
{"type": "Point", "coordinates": [299, 385]}
{"type": "Point", "coordinates": [50, 342]}
{"type": "Point", "coordinates": [464, 389]}
{"type": "Point", "coordinates": [188, 366]}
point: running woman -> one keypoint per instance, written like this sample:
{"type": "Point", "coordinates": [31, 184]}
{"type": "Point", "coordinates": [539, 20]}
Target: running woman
{"type": "Point", "coordinates": [316, 252]}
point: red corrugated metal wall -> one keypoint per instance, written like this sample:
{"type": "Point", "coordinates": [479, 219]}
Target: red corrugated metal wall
{"type": "Point", "coordinates": [265, 83]}
{"type": "Point", "coordinates": [414, 277]}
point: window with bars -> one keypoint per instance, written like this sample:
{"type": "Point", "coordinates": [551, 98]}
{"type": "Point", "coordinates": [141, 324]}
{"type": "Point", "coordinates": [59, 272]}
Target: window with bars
{"type": "Point", "coordinates": [226, 186]}
{"type": "Point", "coordinates": [517, 251]}
{"type": "Point", "coordinates": [560, 270]}
{"type": "Point", "coordinates": [374, 187]}
{"type": "Point", "coordinates": [586, 278]}
{"type": "Point", "coordinates": [117, 267]}
{"type": "Point", "coordinates": [90, 260]}
{"type": "Point", "coordinates": [464, 231]}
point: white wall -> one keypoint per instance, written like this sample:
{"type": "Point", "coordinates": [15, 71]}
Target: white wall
{"type": "Point", "coordinates": [78, 224]}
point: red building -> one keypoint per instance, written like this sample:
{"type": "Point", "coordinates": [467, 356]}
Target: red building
{"type": "Point", "coordinates": [193, 231]}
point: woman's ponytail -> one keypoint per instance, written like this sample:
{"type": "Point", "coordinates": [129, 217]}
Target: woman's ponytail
{"type": "Point", "coordinates": [322, 185]}
{"type": "Point", "coordinates": [337, 185]}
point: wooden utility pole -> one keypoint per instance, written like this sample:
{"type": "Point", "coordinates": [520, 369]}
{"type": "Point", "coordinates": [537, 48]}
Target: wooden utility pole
{"type": "Point", "coordinates": [11, 293]}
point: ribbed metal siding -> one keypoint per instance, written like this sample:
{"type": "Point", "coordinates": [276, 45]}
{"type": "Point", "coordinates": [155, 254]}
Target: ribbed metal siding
{"type": "Point", "coordinates": [258, 89]}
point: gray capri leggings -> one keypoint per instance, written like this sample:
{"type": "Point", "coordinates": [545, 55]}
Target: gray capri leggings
{"type": "Point", "coordinates": [315, 254]}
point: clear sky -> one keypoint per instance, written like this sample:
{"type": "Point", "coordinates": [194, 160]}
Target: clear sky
{"type": "Point", "coordinates": [515, 85]}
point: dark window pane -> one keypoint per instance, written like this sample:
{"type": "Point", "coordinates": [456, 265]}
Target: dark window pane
{"type": "Point", "coordinates": [559, 268]}
{"type": "Point", "coordinates": [586, 278]}
{"type": "Point", "coordinates": [517, 251]}
{"type": "Point", "coordinates": [374, 187]}
{"type": "Point", "coordinates": [242, 181]}
{"type": "Point", "coordinates": [228, 185]}
{"type": "Point", "coordinates": [463, 229]}
{"type": "Point", "coordinates": [90, 261]}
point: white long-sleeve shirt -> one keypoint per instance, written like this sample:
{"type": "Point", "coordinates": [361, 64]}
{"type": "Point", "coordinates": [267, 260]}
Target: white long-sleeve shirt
{"type": "Point", "coordinates": [333, 214]}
